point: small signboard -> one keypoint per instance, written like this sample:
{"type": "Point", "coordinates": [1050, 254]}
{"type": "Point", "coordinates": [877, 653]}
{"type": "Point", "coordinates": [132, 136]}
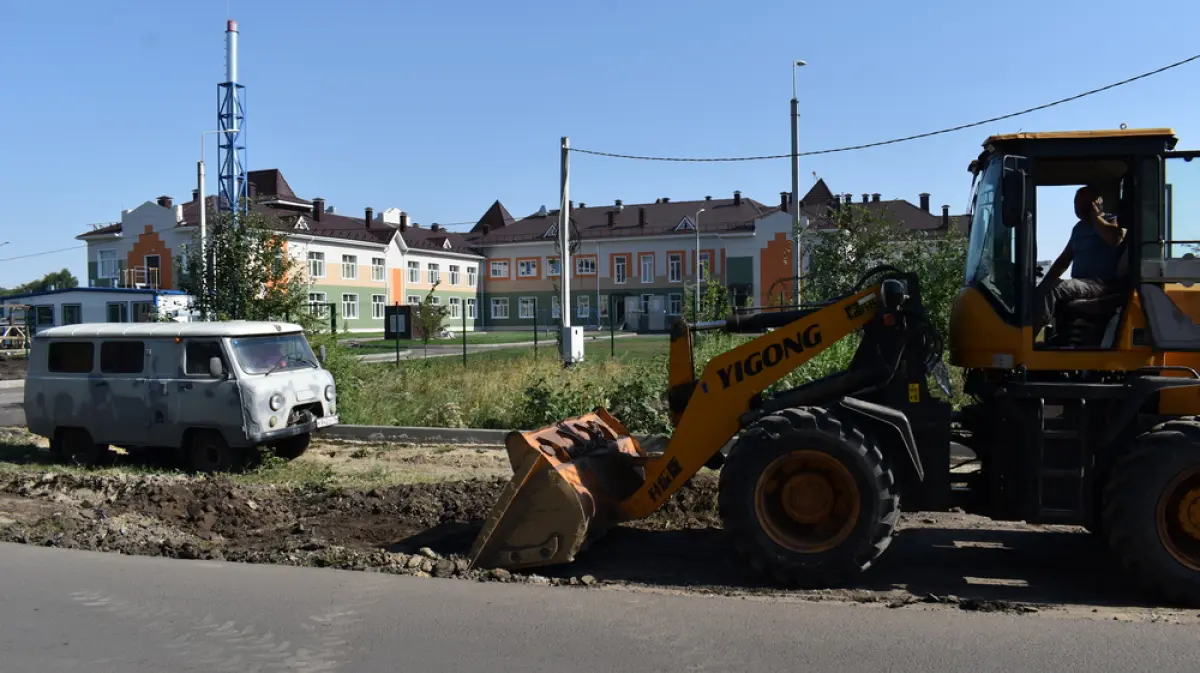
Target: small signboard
{"type": "Point", "coordinates": [397, 322]}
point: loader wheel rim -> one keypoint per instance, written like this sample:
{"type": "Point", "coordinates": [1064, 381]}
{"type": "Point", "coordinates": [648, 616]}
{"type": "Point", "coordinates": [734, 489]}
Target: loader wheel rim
{"type": "Point", "coordinates": [1179, 518]}
{"type": "Point", "coordinates": [807, 501]}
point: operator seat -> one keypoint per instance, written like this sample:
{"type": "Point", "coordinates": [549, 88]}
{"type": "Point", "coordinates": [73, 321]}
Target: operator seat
{"type": "Point", "coordinates": [1088, 323]}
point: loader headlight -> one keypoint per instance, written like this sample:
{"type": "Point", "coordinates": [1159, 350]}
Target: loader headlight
{"type": "Point", "coordinates": [276, 402]}
{"type": "Point", "coordinates": [329, 393]}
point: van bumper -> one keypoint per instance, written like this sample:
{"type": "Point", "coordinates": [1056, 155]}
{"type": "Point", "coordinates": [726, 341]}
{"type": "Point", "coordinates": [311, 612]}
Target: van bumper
{"type": "Point", "coordinates": [293, 430]}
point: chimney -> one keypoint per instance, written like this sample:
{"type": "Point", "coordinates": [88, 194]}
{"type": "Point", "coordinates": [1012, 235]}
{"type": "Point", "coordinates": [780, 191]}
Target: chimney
{"type": "Point", "coordinates": [436, 227]}
{"type": "Point", "coordinates": [404, 223]}
{"type": "Point", "coordinates": [619, 205]}
{"type": "Point", "coordinates": [866, 198]}
{"type": "Point", "coordinates": [875, 197]}
{"type": "Point", "coordinates": [195, 195]}
{"type": "Point", "coordinates": [612, 217]}
{"type": "Point", "coordinates": [641, 217]}
{"type": "Point", "coordinates": [925, 201]}
{"type": "Point", "coordinates": [486, 228]}
{"type": "Point", "coordinates": [582, 204]}
{"type": "Point", "coordinates": [164, 201]}
{"type": "Point", "coordinates": [369, 215]}
{"type": "Point", "coordinates": [783, 201]}
{"type": "Point", "coordinates": [318, 208]}
{"type": "Point", "coordinates": [708, 198]}
{"type": "Point", "coordinates": [666, 199]}
{"type": "Point", "coordinates": [946, 217]}
{"type": "Point", "coordinates": [737, 197]}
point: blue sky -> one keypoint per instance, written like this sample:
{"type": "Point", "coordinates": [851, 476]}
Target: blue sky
{"type": "Point", "coordinates": [440, 108]}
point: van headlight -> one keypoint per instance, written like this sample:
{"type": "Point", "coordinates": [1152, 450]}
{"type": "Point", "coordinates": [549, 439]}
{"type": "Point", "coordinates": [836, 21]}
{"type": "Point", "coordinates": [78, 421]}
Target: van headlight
{"type": "Point", "coordinates": [329, 393]}
{"type": "Point", "coordinates": [276, 402]}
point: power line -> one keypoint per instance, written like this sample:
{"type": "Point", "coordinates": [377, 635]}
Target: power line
{"type": "Point", "coordinates": [893, 141]}
{"type": "Point", "coordinates": [39, 254]}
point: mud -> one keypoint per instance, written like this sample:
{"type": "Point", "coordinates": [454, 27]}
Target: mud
{"type": "Point", "coordinates": [13, 368]}
{"type": "Point", "coordinates": [937, 561]}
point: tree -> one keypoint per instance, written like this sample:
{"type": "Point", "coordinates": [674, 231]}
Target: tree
{"type": "Point", "coordinates": [862, 239]}
{"type": "Point", "coordinates": [430, 317]}
{"type": "Point", "coordinates": [715, 302]}
{"type": "Point", "coordinates": [55, 280]}
{"type": "Point", "coordinates": [250, 274]}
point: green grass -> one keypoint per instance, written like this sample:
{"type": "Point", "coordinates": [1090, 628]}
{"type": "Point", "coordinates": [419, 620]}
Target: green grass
{"type": "Point", "coordinates": [473, 339]}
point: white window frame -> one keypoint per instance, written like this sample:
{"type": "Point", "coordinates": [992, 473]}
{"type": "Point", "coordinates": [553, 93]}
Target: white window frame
{"type": "Point", "coordinates": [455, 304]}
{"type": "Point", "coordinates": [316, 264]}
{"type": "Point", "coordinates": [114, 269]}
{"type": "Point", "coordinates": [585, 266]}
{"type": "Point", "coordinates": [414, 300]}
{"type": "Point", "coordinates": [378, 269]}
{"type": "Point", "coordinates": [350, 267]}
{"type": "Point", "coordinates": [620, 273]}
{"type": "Point", "coordinates": [455, 274]}
{"type": "Point", "coordinates": [471, 276]}
{"type": "Point", "coordinates": [378, 305]}
{"type": "Point", "coordinates": [523, 265]}
{"type": "Point", "coordinates": [435, 273]}
{"type": "Point", "coordinates": [501, 264]}
{"type": "Point", "coordinates": [551, 263]}
{"type": "Point", "coordinates": [555, 306]}
{"type": "Point", "coordinates": [705, 264]}
{"type": "Point", "coordinates": [674, 268]}
{"type": "Point", "coordinates": [499, 308]}
{"type": "Point", "coordinates": [642, 258]}
{"type": "Point", "coordinates": [525, 303]}
{"type": "Point", "coordinates": [470, 308]}
{"type": "Point", "coordinates": [583, 306]}
{"type": "Point", "coordinates": [317, 303]}
{"type": "Point", "coordinates": [414, 272]}
{"type": "Point", "coordinates": [674, 304]}
{"type": "Point", "coordinates": [349, 306]}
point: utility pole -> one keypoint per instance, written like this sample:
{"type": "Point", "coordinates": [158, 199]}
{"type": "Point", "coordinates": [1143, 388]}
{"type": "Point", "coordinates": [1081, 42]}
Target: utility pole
{"type": "Point", "coordinates": [696, 318]}
{"type": "Point", "coordinates": [795, 203]}
{"type": "Point", "coordinates": [570, 340]}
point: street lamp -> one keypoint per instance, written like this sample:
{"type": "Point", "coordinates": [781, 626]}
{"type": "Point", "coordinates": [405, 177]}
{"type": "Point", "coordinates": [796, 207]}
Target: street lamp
{"type": "Point", "coordinates": [203, 221]}
{"type": "Point", "coordinates": [796, 183]}
{"type": "Point", "coordinates": [697, 317]}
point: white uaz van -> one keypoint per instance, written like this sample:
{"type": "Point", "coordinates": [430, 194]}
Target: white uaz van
{"type": "Point", "coordinates": [210, 390]}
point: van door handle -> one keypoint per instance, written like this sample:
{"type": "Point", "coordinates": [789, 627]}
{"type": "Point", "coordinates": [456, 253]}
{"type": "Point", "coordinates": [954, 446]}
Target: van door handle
{"type": "Point", "coordinates": [185, 386]}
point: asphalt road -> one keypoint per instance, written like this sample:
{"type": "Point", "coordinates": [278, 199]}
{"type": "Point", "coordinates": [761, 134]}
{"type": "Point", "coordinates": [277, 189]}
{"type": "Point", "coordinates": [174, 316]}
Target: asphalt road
{"type": "Point", "coordinates": [67, 610]}
{"type": "Point", "coordinates": [11, 412]}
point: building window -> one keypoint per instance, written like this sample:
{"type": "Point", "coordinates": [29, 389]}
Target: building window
{"type": "Point", "coordinates": [316, 304]}
{"type": "Point", "coordinates": [107, 266]}
{"type": "Point", "coordinates": [585, 266]}
{"type": "Point", "coordinates": [619, 270]}
{"type": "Point", "coordinates": [500, 308]}
{"type": "Point", "coordinates": [377, 268]}
{"type": "Point", "coordinates": [583, 305]}
{"type": "Point", "coordinates": [603, 306]}
{"type": "Point", "coordinates": [470, 309]}
{"type": "Point", "coordinates": [645, 305]}
{"type": "Point", "coordinates": [704, 265]}
{"type": "Point", "coordinates": [414, 300]}
{"type": "Point", "coordinates": [674, 267]}
{"type": "Point", "coordinates": [498, 269]}
{"type": "Point", "coordinates": [470, 276]}
{"type": "Point", "coordinates": [316, 264]}
{"type": "Point", "coordinates": [378, 303]}
{"type": "Point", "coordinates": [350, 266]}
{"type": "Point", "coordinates": [647, 262]}
{"type": "Point", "coordinates": [455, 307]}
{"type": "Point", "coordinates": [527, 308]}
{"type": "Point", "coordinates": [72, 314]}
{"type": "Point", "coordinates": [435, 301]}
{"type": "Point", "coordinates": [675, 307]}
{"type": "Point", "coordinates": [527, 268]}
{"type": "Point", "coordinates": [118, 311]}
{"type": "Point", "coordinates": [435, 273]}
{"type": "Point", "coordinates": [414, 272]}
{"type": "Point", "coordinates": [455, 274]}
{"type": "Point", "coordinates": [555, 306]}
{"type": "Point", "coordinates": [554, 267]}
{"type": "Point", "coordinates": [43, 316]}
{"type": "Point", "coordinates": [350, 306]}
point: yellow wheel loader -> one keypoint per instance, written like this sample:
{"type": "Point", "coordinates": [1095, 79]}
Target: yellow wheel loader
{"type": "Point", "coordinates": [1089, 422]}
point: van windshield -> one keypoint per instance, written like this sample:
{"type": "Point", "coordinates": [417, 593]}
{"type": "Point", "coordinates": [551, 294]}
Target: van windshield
{"type": "Point", "coordinates": [265, 354]}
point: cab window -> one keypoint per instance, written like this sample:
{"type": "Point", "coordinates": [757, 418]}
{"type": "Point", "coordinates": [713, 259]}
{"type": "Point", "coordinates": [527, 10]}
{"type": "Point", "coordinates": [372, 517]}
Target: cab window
{"type": "Point", "coordinates": [992, 250]}
{"type": "Point", "coordinates": [197, 353]}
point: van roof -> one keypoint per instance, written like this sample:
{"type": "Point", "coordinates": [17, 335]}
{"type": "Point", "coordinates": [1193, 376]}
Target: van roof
{"type": "Point", "coordinates": [230, 328]}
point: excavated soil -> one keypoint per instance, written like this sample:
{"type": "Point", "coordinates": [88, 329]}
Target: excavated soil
{"type": "Point", "coordinates": [424, 529]}
{"type": "Point", "coordinates": [13, 368]}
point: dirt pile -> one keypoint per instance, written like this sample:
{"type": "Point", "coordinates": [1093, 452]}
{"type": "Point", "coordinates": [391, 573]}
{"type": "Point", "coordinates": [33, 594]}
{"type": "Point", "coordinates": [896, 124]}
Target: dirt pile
{"type": "Point", "coordinates": [13, 367]}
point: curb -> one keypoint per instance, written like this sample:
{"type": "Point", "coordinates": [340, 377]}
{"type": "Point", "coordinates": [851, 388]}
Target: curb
{"type": "Point", "coordinates": [15, 383]}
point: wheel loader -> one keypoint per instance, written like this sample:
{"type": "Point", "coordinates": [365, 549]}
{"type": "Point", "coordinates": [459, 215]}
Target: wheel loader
{"type": "Point", "coordinates": [1090, 422]}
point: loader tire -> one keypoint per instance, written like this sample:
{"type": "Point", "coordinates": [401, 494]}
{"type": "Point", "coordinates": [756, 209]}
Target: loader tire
{"type": "Point", "coordinates": [807, 499]}
{"type": "Point", "coordinates": [1152, 511]}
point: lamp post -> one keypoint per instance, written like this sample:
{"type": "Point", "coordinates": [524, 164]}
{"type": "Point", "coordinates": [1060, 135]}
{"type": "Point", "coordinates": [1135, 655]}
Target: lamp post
{"type": "Point", "coordinates": [796, 184]}
{"type": "Point", "coordinates": [697, 317]}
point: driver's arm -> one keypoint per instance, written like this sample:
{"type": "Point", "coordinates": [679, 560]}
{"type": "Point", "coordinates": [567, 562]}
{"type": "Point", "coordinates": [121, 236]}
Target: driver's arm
{"type": "Point", "coordinates": [1109, 230]}
{"type": "Point", "coordinates": [1060, 265]}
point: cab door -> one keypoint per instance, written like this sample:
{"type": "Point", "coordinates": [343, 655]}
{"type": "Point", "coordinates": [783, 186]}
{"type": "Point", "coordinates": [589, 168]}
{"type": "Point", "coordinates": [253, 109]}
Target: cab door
{"type": "Point", "coordinates": [201, 400]}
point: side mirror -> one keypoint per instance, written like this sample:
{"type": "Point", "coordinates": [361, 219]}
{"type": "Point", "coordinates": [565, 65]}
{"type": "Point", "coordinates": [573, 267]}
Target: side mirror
{"type": "Point", "coordinates": [322, 354]}
{"type": "Point", "coordinates": [894, 294]}
{"type": "Point", "coordinates": [1012, 197]}
{"type": "Point", "coordinates": [215, 368]}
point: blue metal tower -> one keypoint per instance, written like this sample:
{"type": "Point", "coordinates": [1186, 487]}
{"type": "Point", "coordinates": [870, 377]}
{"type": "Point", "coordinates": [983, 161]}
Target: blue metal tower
{"type": "Point", "coordinates": [231, 121]}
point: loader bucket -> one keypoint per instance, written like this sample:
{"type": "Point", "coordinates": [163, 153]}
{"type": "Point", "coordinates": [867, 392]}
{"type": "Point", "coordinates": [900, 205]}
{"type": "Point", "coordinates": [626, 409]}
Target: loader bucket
{"type": "Point", "coordinates": [568, 480]}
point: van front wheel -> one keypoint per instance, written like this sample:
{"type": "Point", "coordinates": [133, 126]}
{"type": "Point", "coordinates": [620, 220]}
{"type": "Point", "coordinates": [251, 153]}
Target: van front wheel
{"type": "Point", "coordinates": [207, 451]}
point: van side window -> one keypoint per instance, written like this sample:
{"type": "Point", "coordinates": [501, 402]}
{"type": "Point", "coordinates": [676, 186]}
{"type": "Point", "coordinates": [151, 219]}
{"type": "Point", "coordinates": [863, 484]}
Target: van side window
{"type": "Point", "coordinates": [122, 357]}
{"type": "Point", "coordinates": [196, 355]}
{"type": "Point", "coordinates": [71, 357]}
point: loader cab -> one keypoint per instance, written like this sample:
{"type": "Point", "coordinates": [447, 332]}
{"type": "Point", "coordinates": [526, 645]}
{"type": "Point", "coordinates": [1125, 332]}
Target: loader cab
{"type": "Point", "coordinates": [1022, 211]}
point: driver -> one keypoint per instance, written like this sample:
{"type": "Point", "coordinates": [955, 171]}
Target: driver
{"type": "Point", "coordinates": [1094, 254]}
